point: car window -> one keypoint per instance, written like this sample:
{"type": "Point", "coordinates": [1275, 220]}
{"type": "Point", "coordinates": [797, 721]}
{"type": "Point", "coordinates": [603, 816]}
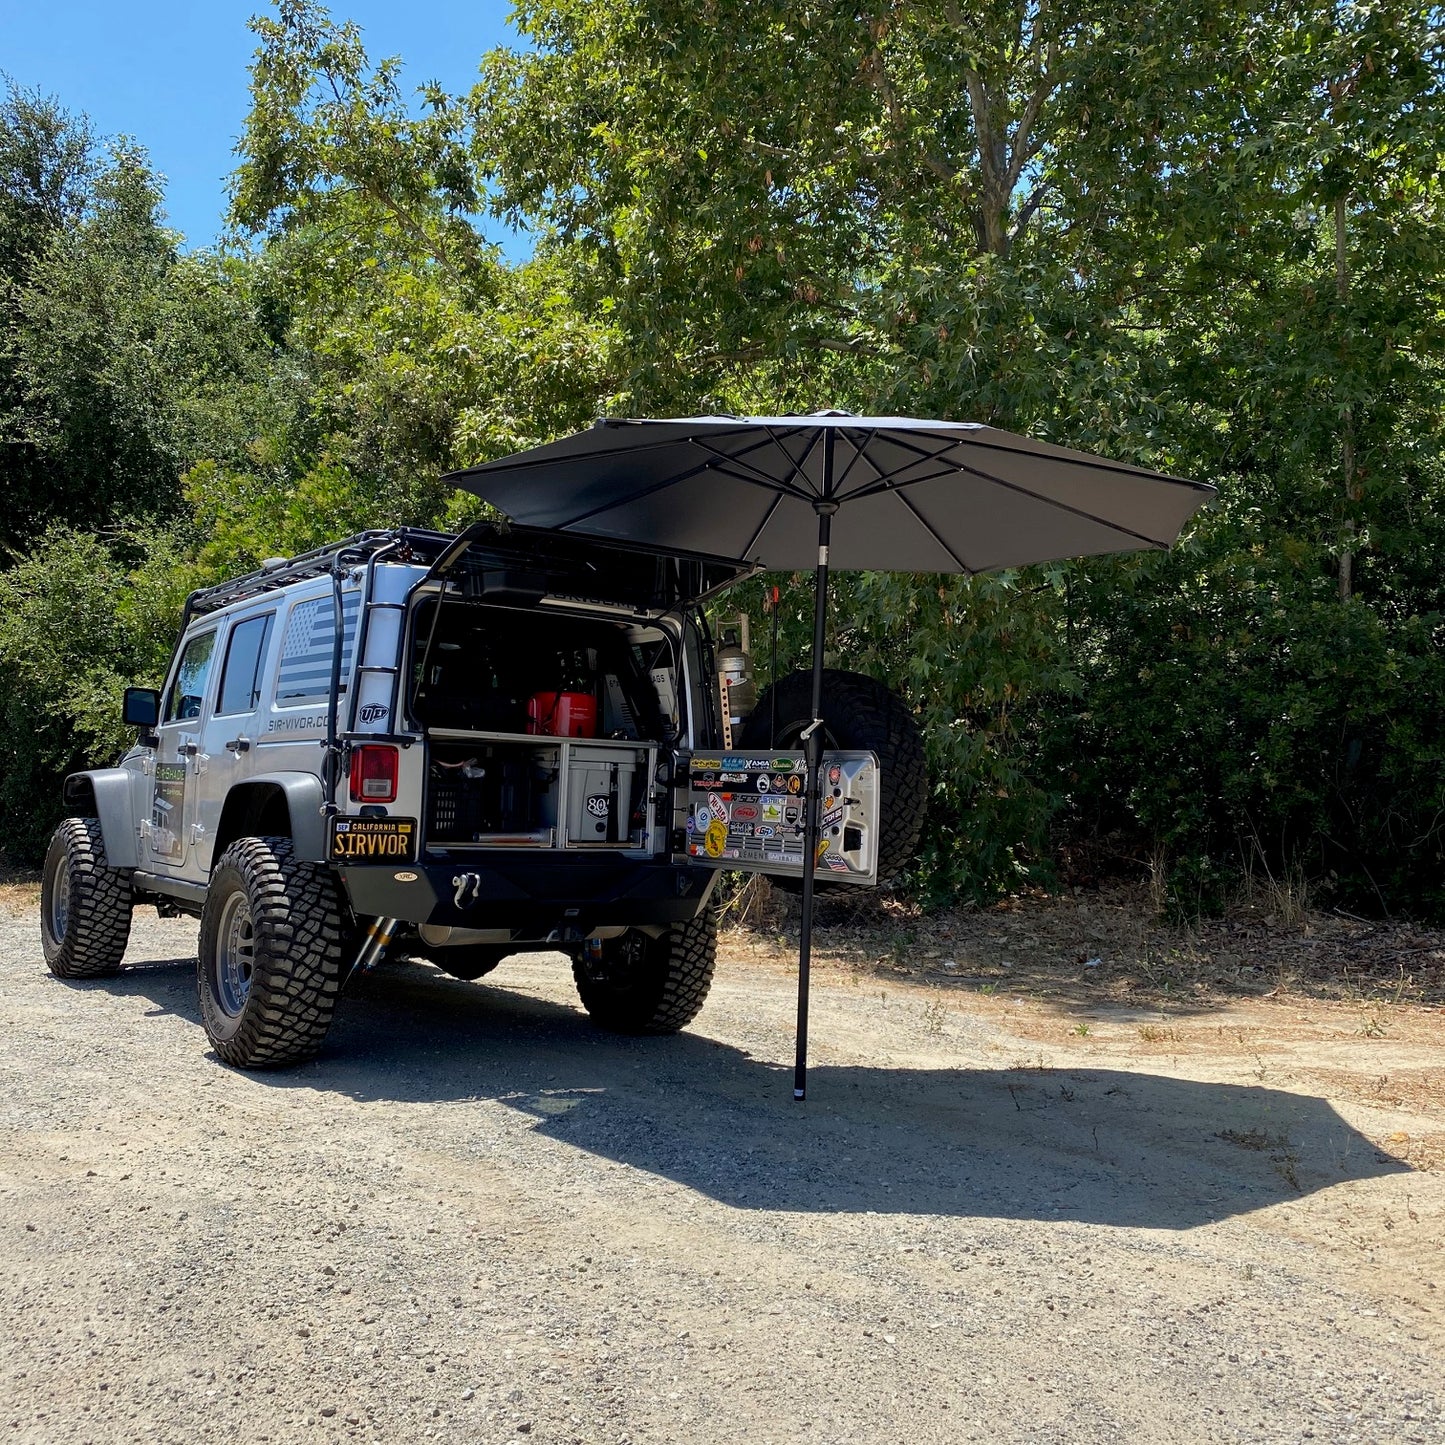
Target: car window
{"type": "Point", "coordinates": [189, 687]}
{"type": "Point", "coordinates": [304, 674]}
{"type": "Point", "coordinates": [241, 673]}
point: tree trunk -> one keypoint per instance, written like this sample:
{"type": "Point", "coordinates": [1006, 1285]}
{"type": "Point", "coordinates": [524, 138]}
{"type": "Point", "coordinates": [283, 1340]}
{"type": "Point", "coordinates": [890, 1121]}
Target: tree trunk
{"type": "Point", "coordinates": [1347, 420]}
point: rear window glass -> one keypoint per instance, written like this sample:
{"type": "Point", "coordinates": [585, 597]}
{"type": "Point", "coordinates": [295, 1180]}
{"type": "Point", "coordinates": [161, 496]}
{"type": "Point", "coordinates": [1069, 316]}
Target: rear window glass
{"type": "Point", "coordinates": [304, 675]}
{"type": "Point", "coordinates": [241, 675]}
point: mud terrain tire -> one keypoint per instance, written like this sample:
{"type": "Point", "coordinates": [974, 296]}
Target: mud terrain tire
{"type": "Point", "coordinates": [269, 968]}
{"type": "Point", "coordinates": [642, 985]}
{"type": "Point", "coordinates": [84, 904]}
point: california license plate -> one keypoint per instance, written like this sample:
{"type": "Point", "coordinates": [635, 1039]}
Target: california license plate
{"type": "Point", "coordinates": [372, 840]}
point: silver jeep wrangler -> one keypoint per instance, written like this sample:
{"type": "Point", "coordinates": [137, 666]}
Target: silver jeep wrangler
{"type": "Point", "coordinates": [460, 748]}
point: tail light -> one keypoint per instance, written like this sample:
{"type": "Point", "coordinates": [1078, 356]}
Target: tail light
{"type": "Point", "coordinates": [373, 774]}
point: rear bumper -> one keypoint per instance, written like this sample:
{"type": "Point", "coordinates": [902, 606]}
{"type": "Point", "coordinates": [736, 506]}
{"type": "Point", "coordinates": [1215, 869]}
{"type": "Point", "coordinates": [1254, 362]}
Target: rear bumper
{"type": "Point", "coordinates": [535, 896]}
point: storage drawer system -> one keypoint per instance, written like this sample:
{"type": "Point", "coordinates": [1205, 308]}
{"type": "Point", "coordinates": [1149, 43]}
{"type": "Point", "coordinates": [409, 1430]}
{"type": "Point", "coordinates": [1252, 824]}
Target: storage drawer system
{"type": "Point", "coordinates": [509, 790]}
{"type": "Point", "coordinates": [741, 810]}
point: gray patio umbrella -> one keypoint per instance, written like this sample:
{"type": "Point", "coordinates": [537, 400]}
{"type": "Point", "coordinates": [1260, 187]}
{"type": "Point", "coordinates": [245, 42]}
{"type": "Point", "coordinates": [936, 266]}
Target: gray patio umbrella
{"type": "Point", "coordinates": [834, 490]}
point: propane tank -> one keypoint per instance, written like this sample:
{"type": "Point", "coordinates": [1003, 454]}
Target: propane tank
{"type": "Point", "coordinates": [736, 670]}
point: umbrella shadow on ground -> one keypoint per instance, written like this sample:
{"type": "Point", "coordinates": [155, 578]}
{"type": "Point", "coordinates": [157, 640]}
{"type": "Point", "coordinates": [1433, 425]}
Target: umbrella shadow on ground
{"type": "Point", "coordinates": [1098, 1146]}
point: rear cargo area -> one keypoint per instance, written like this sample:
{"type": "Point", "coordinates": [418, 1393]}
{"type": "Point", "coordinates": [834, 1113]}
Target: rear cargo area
{"type": "Point", "coordinates": [543, 727]}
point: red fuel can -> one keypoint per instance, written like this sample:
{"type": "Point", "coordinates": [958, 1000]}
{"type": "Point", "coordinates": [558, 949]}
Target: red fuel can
{"type": "Point", "coordinates": [562, 714]}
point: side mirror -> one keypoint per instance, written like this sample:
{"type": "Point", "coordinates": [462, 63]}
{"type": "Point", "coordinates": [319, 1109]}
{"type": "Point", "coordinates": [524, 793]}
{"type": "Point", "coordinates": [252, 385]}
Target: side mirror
{"type": "Point", "coordinates": [142, 707]}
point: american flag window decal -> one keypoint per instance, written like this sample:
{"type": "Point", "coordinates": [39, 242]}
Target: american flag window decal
{"type": "Point", "coordinates": [305, 672]}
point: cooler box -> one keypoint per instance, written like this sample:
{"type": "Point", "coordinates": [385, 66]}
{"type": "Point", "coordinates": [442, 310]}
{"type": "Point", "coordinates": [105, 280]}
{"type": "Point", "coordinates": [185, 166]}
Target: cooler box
{"type": "Point", "coordinates": [600, 790]}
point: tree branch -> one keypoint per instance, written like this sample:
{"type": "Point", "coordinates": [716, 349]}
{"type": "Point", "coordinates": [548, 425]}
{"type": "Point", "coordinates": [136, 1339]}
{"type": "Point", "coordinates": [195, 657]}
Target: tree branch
{"type": "Point", "coordinates": [1026, 211]}
{"type": "Point", "coordinates": [878, 78]}
{"type": "Point", "coordinates": [859, 347]}
{"type": "Point", "coordinates": [978, 104]}
{"type": "Point", "coordinates": [383, 198]}
{"type": "Point", "coordinates": [1023, 148]}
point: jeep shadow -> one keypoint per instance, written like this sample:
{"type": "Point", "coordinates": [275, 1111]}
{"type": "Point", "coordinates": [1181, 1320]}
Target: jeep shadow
{"type": "Point", "coordinates": [1098, 1146]}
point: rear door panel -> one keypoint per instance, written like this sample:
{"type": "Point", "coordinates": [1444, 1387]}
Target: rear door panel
{"type": "Point", "coordinates": [746, 811]}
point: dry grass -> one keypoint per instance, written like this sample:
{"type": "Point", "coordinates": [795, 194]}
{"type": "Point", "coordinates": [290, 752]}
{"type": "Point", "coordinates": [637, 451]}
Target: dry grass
{"type": "Point", "coordinates": [1112, 946]}
{"type": "Point", "coordinates": [19, 889]}
{"type": "Point", "coordinates": [1281, 1150]}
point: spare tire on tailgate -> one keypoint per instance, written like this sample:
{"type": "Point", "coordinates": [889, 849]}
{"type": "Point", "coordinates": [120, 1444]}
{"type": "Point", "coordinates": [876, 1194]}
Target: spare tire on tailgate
{"type": "Point", "coordinates": [859, 714]}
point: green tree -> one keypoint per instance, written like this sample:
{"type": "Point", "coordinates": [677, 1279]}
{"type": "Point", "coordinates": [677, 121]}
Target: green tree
{"type": "Point", "coordinates": [1201, 238]}
{"type": "Point", "coordinates": [1195, 236]}
{"type": "Point", "coordinates": [46, 163]}
{"type": "Point", "coordinates": [422, 349]}
{"type": "Point", "coordinates": [123, 361]}
{"type": "Point", "coordinates": [46, 166]}
{"type": "Point", "coordinates": [1272, 692]}
{"type": "Point", "coordinates": [81, 618]}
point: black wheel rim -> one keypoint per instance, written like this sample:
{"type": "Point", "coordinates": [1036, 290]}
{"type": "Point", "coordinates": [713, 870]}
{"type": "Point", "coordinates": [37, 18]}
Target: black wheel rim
{"type": "Point", "coordinates": [57, 904]}
{"type": "Point", "coordinates": [234, 963]}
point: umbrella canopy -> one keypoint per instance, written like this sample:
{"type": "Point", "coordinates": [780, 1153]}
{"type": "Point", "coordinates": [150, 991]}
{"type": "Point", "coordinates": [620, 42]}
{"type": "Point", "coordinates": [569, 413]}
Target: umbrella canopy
{"type": "Point", "coordinates": [910, 495]}
{"type": "Point", "coordinates": [879, 493]}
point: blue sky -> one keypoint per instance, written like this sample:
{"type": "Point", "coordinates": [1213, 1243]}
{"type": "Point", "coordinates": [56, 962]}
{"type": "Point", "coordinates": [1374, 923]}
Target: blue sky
{"type": "Point", "coordinates": [174, 75]}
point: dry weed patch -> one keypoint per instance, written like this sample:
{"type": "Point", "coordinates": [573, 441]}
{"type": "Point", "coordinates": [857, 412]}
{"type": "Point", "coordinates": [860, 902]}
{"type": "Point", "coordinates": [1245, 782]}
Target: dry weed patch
{"type": "Point", "coordinates": [1111, 946]}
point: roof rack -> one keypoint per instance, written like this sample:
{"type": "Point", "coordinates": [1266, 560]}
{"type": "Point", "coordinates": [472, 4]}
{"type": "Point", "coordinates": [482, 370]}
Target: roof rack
{"type": "Point", "coordinates": [319, 562]}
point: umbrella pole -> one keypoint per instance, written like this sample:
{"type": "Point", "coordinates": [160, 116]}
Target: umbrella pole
{"type": "Point", "coordinates": [812, 808]}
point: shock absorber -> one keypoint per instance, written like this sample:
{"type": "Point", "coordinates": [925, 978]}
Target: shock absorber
{"type": "Point", "coordinates": [374, 945]}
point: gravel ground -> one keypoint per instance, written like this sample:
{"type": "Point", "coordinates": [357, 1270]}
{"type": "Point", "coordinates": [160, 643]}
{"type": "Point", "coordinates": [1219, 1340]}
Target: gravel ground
{"type": "Point", "coordinates": [477, 1219]}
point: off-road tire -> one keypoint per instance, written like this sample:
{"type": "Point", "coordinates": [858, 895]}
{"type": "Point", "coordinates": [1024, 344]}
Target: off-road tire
{"type": "Point", "coordinates": [859, 714]}
{"type": "Point", "coordinates": [467, 961]}
{"type": "Point", "coordinates": [84, 904]}
{"type": "Point", "coordinates": [644, 985]}
{"type": "Point", "coordinates": [279, 1012]}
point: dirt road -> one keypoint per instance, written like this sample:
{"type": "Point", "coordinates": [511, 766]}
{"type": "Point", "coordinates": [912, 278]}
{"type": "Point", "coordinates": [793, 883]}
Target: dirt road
{"type": "Point", "coordinates": [477, 1219]}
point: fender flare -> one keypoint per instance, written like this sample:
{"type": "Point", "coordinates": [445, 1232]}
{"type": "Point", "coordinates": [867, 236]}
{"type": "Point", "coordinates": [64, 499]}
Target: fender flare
{"type": "Point", "coordinates": [105, 793]}
{"type": "Point", "coordinates": [302, 796]}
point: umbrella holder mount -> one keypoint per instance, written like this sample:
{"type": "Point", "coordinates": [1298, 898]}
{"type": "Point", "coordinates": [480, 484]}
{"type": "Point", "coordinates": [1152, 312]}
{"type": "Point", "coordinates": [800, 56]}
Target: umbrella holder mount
{"type": "Point", "coordinates": [745, 810]}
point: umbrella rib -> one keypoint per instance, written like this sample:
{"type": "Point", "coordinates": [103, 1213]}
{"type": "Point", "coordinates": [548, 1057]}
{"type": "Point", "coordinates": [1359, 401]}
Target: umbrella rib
{"type": "Point", "coordinates": [614, 502]}
{"type": "Point", "coordinates": [1065, 507]}
{"type": "Point", "coordinates": [929, 528]}
{"type": "Point", "coordinates": [1103, 464]}
{"type": "Point", "coordinates": [761, 477]}
{"type": "Point", "coordinates": [891, 484]}
{"type": "Point", "coordinates": [505, 464]}
{"type": "Point", "coordinates": [858, 449]}
{"type": "Point", "coordinates": [887, 481]}
{"type": "Point", "coordinates": [714, 464]}
{"type": "Point", "coordinates": [763, 525]}
{"type": "Point", "coordinates": [1075, 459]}
{"type": "Point", "coordinates": [806, 493]}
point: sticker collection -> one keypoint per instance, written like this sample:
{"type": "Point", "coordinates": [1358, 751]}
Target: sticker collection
{"type": "Point", "coordinates": [749, 809]}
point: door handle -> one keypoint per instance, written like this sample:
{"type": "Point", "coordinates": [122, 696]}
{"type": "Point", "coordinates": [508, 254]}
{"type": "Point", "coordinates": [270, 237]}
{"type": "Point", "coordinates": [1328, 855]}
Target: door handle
{"type": "Point", "coordinates": [188, 750]}
{"type": "Point", "coordinates": [239, 746]}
